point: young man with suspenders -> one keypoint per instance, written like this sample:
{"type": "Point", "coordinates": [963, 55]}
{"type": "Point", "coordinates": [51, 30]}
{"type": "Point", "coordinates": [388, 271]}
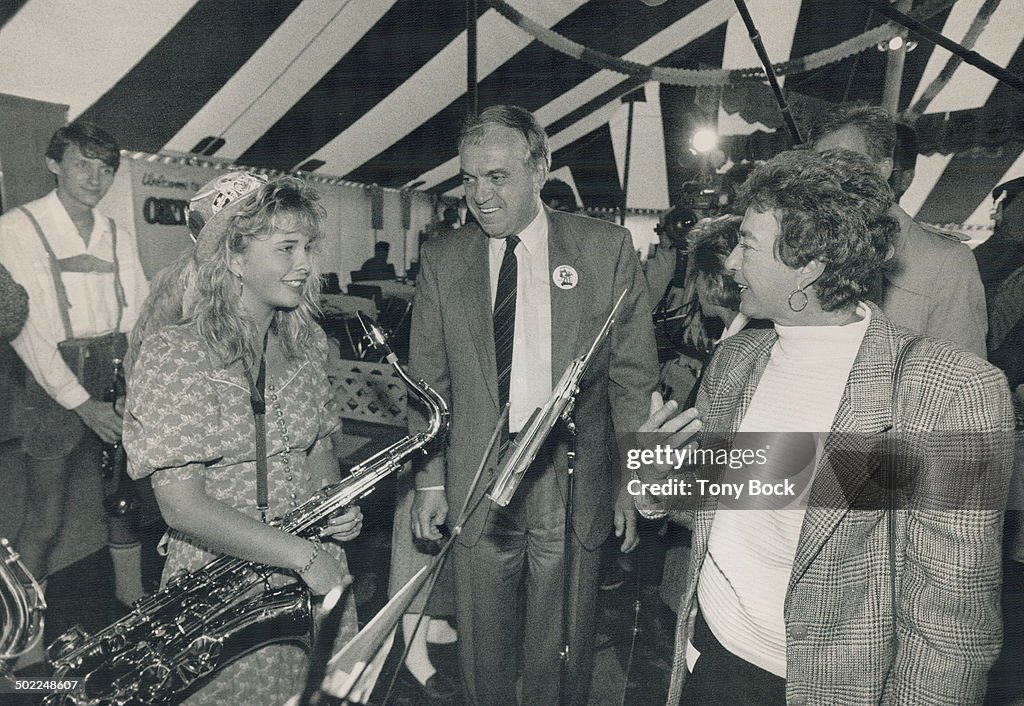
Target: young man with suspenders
{"type": "Point", "coordinates": [85, 285]}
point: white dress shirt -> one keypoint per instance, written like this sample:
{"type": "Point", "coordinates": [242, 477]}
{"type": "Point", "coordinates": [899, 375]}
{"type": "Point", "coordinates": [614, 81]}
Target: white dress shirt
{"type": "Point", "coordinates": [530, 383]}
{"type": "Point", "coordinates": [93, 309]}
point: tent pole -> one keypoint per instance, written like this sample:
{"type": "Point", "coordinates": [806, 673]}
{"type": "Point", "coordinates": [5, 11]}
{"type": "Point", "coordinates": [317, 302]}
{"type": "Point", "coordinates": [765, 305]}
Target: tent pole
{"type": "Point", "coordinates": [625, 172]}
{"type": "Point", "coordinates": [472, 98]}
{"type": "Point", "coordinates": [769, 72]}
{"type": "Point", "coordinates": [894, 68]}
{"type": "Point", "coordinates": [632, 97]}
{"type": "Point", "coordinates": [971, 57]}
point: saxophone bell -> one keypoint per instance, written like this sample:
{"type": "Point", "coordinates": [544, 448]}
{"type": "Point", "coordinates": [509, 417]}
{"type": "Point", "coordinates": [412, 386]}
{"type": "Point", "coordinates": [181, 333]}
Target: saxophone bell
{"type": "Point", "coordinates": [22, 604]}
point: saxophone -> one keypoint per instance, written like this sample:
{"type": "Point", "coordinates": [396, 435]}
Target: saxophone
{"type": "Point", "coordinates": [21, 608]}
{"type": "Point", "coordinates": [172, 640]}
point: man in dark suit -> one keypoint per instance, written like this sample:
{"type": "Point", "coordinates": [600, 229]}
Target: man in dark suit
{"type": "Point", "coordinates": [502, 307]}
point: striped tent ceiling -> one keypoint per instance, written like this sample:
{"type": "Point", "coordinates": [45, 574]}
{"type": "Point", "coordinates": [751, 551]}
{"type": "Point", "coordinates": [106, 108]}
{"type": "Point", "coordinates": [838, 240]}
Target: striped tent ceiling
{"type": "Point", "coordinates": [375, 89]}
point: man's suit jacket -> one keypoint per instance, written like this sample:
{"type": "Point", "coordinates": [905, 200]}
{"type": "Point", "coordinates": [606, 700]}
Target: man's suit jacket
{"type": "Point", "coordinates": [948, 560]}
{"type": "Point", "coordinates": [452, 349]}
{"type": "Point", "coordinates": [933, 287]}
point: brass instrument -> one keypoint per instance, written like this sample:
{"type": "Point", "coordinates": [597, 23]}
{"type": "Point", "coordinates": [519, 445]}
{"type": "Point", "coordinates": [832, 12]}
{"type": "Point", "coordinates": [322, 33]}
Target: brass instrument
{"type": "Point", "coordinates": [21, 608]}
{"type": "Point", "coordinates": [204, 620]}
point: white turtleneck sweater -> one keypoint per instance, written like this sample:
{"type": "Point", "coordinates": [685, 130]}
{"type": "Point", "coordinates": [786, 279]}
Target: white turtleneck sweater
{"type": "Point", "coordinates": [745, 576]}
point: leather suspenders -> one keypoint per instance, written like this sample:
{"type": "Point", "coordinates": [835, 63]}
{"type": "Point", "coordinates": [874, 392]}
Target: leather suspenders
{"type": "Point", "coordinates": [79, 264]}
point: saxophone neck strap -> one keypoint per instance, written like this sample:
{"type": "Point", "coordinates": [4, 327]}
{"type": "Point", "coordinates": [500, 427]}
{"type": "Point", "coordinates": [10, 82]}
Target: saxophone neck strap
{"type": "Point", "coordinates": [257, 398]}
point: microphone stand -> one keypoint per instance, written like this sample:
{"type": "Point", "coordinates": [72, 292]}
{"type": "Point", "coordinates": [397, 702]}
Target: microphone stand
{"type": "Point", "coordinates": [563, 674]}
{"type": "Point", "coordinates": [769, 71]}
{"type": "Point", "coordinates": [399, 603]}
{"type": "Point", "coordinates": [523, 451]}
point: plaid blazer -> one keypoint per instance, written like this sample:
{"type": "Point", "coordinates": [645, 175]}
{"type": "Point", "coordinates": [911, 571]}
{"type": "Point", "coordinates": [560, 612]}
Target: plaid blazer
{"type": "Point", "coordinates": [838, 610]}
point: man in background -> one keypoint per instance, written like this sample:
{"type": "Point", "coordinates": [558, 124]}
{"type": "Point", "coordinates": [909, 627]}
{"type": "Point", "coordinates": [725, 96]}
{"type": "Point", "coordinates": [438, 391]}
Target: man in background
{"type": "Point", "coordinates": [378, 267]}
{"type": "Point", "coordinates": [85, 286]}
{"type": "Point", "coordinates": [930, 284]}
{"type": "Point", "coordinates": [558, 195]}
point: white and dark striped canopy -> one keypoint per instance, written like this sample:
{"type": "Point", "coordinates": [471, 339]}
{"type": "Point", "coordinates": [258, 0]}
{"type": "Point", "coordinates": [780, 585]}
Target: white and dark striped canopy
{"type": "Point", "coordinates": [376, 89]}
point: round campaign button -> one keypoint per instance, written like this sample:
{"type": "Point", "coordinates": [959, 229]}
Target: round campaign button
{"type": "Point", "coordinates": [565, 276]}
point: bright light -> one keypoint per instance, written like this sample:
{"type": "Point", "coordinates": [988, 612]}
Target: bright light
{"type": "Point", "coordinates": [704, 140]}
{"type": "Point", "coordinates": [897, 43]}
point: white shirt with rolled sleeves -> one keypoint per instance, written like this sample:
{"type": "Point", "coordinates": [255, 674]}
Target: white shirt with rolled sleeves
{"type": "Point", "coordinates": [93, 309]}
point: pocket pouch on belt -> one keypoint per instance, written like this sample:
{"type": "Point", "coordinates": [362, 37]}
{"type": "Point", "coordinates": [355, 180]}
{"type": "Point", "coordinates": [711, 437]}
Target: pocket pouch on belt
{"type": "Point", "coordinates": [92, 360]}
{"type": "Point", "coordinates": [48, 430]}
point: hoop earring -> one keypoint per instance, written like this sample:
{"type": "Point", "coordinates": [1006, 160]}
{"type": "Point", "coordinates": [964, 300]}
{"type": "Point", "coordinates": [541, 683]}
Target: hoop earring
{"type": "Point", "coordinates": [803, 305]}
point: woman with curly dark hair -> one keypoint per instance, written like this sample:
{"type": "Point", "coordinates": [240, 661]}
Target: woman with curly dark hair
{"type": "Point", "coordinates": [844, 587]}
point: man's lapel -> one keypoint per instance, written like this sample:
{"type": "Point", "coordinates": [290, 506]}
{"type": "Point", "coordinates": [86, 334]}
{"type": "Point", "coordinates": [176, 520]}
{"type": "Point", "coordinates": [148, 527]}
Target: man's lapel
{"type": "Point", "coordinates": [474, 296]}
{"type": "Point", "coordinates": [567, 305]}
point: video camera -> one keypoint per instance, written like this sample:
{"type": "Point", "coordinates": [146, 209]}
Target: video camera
{"type": "Point", "coordinates": [697, 201]}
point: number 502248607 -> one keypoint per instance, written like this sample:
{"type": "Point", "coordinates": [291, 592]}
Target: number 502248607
{"type": "Point", "coordinates": [18, 685]}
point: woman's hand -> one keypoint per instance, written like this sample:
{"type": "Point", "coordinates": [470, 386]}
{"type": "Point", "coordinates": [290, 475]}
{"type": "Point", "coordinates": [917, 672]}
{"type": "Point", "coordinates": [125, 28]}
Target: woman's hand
{"type": "Point", "coordinates": [677, 428]}
{"type": "Point", "coordinates": [344, 527]}
{"type": "Point", "coordinates": [665, 426]}
{"type": "Point", "coordinates": [324, 573]}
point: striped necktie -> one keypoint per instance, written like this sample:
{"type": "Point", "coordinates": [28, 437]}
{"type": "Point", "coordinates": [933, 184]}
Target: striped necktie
{"type": "Point", "coordinates": [505, 318]}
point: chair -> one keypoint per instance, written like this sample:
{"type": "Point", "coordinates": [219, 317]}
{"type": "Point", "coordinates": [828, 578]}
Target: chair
{"type": "Point", "coordinates": [367, 291]}
{"type": "Point", "coordinates": [329, 283]}
{"type": "Point", "coordinates": [361, 276]}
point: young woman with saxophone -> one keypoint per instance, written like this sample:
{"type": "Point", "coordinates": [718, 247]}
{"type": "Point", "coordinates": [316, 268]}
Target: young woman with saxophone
{"type": "Point", "coordinates": [228, 333]}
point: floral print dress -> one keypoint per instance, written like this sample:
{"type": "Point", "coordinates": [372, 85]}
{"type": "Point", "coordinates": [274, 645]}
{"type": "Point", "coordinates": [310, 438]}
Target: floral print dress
{"type": "Point", "coordinates": [187, 415]}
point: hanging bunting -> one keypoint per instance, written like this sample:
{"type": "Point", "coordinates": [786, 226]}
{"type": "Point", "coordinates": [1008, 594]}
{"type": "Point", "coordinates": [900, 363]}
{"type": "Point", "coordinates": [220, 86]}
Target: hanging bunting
{"type": "Point", "coordinates": [704, 77]}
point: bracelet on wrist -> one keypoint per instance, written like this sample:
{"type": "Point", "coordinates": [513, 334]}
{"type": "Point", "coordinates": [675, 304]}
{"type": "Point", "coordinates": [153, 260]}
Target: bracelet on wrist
{"type": "Point", "coordinates": [317, 548]}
